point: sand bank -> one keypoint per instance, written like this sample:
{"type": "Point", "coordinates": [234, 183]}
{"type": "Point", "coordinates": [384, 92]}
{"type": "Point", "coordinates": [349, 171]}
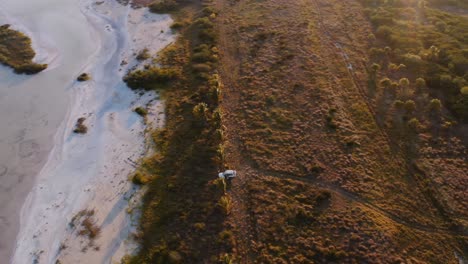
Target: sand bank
{"type": "Point", "coordinates": [90, 171]}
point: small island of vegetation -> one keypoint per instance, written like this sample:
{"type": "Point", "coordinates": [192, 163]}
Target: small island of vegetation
{"type": "Point", "coordinates": [80, 127]}
{"type": "Point", "coordinates": [83, 77]}
{"type": "Point", "coordinates": [16, 51]}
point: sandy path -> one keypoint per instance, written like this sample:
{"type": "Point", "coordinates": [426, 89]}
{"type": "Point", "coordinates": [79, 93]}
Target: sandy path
{"type": "Point", "coordinates": [90, 171]}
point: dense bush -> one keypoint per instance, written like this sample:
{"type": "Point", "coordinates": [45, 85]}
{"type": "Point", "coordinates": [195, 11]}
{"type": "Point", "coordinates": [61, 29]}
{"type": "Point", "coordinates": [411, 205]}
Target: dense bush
{"type": "Point", "coordinates": [151, 78]}
{"type": "Point", "coordinates": [184, 207]}
{"type": "Point", "coordinates": [30, 68]}
{"type": "Point", "coordinates": [204, 53]}
{"type": "Point", "coordinates": [163, 6]}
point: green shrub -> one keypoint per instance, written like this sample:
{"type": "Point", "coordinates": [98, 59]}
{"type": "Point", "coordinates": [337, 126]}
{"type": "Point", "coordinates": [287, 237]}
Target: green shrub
{"type": "Point", "coordinates": [410, 106]}
{"type": "Point", "coordinates": [435, 105]}
{"type": "Point", "coordinates": [201, 67]}
{"type": "Point", "coordinates": [177, 25]}
{"type": "Point", "coordinates": [207, 35]}
{"type": "Point", "coordinates": [163, 6]}
{"type": "Point", "coordinates": [464, 90]}
{"type": "Point", "coordinates": [151, 78]}
{"type": "Point", "coordinates": [80, 127]}
{"type": "Point", "coordinates": [204, 23]}
{"type": "Point", "coordinates": [414, 124]}
{"type": "Point", "coordinates": [420, 83]}
{"type": "Point", "coordinates": [143, 55]}
{"type": "Point", "coordinates": [404, 82]}
{"type": "Point", "coordinates": [206, 11]}
{"type": "Point", "coordinates": [202, 54]}
{"type": "Point", "coordinates": [83, 77]}
{"type": "Point", "coordinates": [398, 104]}
{"type": "Point", "coordinates": [437, 51]}
{"type": "Point", "coordinates": [412, 61]}
{"type": "Point", "coordinates": [30, 68]}
{"type": "Point", "coordinates": [16, 51]}
{"type": "Point", "coordinates": [385, 82]}
{"type": "Point", "coordinates": [139, 178]}
{"type": "Point", "coordinates": [141, 111]}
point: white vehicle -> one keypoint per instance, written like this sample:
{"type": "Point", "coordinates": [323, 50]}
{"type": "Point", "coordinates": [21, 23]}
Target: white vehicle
{"type": "Point", "coordinates": [229, 174]}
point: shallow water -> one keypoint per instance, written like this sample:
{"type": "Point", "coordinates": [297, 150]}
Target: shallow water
{"type": "Point", "coordinates": [33, 107]}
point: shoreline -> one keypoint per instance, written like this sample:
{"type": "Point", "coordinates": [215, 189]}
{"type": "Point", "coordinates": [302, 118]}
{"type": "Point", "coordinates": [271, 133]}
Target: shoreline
{"type": "Point", "coordinates": [39, 101]}
{"type": "Point", "coordinates": [85, 159]}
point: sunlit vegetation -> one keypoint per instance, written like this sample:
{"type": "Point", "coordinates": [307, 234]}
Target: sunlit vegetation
{"type": "Point", "coordinates": [300, 224]}
{"type": "Point", "coordinates": [177, 25]}
{"type": "Point", "coordinates": [427, 42]}
{"type": "Point", "coordinates": [140, 178]}
{"type": "Point", "coordinates": [307, 112]}
{"type": "Point", "coordinates": [185, 205]}
{"type": "Point", "coordinates": [16, 51]}
{"type": "Point", "coordinates": [334, 122]}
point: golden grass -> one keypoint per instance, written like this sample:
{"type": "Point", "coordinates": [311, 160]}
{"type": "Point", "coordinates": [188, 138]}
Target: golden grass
{"type": "Point", "coordinates": [300, 106]}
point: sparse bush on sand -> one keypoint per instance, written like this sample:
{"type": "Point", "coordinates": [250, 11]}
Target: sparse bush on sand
{"type": "Point", "coordinates": [80, 127]}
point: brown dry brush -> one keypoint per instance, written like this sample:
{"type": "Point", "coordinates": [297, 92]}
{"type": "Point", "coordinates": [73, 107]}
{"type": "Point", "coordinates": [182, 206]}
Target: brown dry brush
{"type": "Point", "coordinates": [183, 211]}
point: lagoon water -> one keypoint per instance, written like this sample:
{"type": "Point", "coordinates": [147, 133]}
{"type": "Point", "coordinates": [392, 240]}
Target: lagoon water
{"type": "Point", "coordinates": [33, 107]}
{"type": "Point", "coordinates": [47, 173]}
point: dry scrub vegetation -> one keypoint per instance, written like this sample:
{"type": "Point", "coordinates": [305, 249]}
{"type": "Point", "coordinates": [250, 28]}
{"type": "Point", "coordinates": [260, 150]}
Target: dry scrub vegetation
{"type": "Point", "coordinates": [303, 101]}
{"type": "Point", "coordinates": [84, 223]}
{"type": "Point", "coordinates": [185, 205]}
{"type": "Point", "coordinates": [344, 153]}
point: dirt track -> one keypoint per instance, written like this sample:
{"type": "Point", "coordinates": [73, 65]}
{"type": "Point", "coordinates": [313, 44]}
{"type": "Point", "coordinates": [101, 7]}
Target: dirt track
{"type": "Point", "coordinates": [330, 63]}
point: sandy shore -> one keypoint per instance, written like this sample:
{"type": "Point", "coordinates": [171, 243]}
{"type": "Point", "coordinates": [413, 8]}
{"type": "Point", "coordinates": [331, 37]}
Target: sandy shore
{"type": "Point", "coordinates": [90, 171]}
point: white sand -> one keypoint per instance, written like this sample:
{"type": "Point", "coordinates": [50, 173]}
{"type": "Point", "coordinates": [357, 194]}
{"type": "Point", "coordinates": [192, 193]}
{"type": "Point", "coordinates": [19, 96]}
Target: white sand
{"type": "Point", "coordinates": [91, 171]}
